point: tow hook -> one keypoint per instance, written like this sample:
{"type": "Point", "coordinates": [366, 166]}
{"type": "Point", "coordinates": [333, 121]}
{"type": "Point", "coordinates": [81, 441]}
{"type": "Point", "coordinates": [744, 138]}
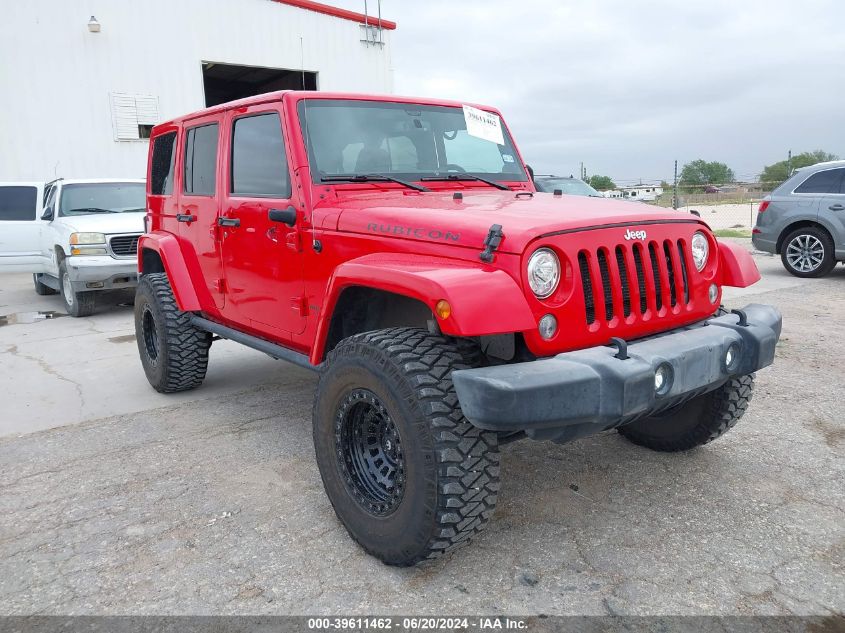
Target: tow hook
{"type": "Point", "coordinates": [491, 243]}
{"type": "Point", "coordinates": [621, 346]}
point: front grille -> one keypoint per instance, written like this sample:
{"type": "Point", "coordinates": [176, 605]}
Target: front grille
{"type": "Point", "coordinates": [617, 285]}
{"type": "Point", "coordinates": [124, 245]}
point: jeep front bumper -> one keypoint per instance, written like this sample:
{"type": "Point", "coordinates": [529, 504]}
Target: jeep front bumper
{"type": "Point", "coordinates": [101, 272]}
{"type": "Point", "coordinates": [586, 391]}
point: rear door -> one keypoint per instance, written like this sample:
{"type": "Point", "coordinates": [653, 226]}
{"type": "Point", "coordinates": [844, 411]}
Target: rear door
{"type": "Point", "coordinates": [262, 257]}
{"type": "Point", "coordinates": [827, 188]}
{"type": "Point", "coordinates": [199, 202]}
{"type": "Point", "coordinates": [20, 228]}
{"type": "Point", "coordinates": [832, 207]}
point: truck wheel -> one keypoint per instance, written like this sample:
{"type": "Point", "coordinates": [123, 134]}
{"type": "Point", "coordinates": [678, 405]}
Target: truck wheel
{"type": "Point", "coordinates": [77, 304]}
{"type": "Point", "coordinates": [694, 423]}
{"type": "Point", "coordinates": [173, 351]}
{"type": "Point", "coordinates": [409, 477]}
{"type": "Point", "coordinates": [41, 289]}
{"type": "Point", "coordinates": [808, 252]}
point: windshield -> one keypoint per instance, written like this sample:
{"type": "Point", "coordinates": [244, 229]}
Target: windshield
{"type": "Point", "coordinates": [569, 186]}
{"type": "Point", "coordinates": [103, 197]}
{"type": "Point", "coordinates": [404, 140]}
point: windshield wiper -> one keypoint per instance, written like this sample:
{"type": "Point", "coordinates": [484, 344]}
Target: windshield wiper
{"type": "Point", "coordinates": [91, 210]}
{"type": "Point", "coordinates": [373, 178]}
{"type": "Point", "coordinates": [487, 181]}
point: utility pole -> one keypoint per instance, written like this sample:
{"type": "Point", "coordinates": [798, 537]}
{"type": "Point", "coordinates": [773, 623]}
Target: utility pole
{"type": "Point", "coordinates": [581, 175]}
{"type": "Point", "coordinates": [789, 164]}
{"type": "Point", "coordinates": [675, 189]}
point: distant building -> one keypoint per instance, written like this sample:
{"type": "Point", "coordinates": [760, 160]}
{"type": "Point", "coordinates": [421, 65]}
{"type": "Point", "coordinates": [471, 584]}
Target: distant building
{"type": "Point", "coordinates": [636, 192]}
{"type": "Point", "coordinates": [84, 82]}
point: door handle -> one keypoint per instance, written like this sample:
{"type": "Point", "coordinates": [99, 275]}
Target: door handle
{"type": "Point", "coordinates": [836, 207]}
{"type": "Point", "coordinates": [285, 216]}
{"type": "Point", "coordinates": [185, 217]}
{"type": "Point", "coordinates": [228, 222]}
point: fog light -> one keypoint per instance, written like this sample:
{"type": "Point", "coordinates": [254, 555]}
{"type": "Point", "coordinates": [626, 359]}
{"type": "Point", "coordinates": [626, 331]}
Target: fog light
{"type": "Point", "coordinates": [663, 379]}
{"type": "Point", "coordinates": [547, 326]}
{"type": "Point", "coordinates": [732, 356]}
{"type": "Point", "coordinates": [713, 293]}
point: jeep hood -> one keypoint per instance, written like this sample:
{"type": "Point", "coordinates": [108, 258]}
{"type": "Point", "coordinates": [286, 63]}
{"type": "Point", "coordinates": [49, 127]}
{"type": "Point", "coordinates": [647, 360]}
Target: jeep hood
{"type": "Point", "coordinates": [438, 217]}
{"type": "Point", "coordinates": [129, 222]}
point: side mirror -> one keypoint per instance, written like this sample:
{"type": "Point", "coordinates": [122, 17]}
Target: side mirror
{"type": "Point", "coordinates": [48, 214]}
{"type": "Point", "coordinates": [285, 216]}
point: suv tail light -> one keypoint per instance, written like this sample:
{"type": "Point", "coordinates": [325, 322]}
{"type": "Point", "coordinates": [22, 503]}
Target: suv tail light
{"type": "Point", "coordinates": [763, 206]}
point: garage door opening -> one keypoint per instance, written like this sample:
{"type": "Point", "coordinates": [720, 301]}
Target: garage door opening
{"type": "Point", "coordinates": [226, 82]}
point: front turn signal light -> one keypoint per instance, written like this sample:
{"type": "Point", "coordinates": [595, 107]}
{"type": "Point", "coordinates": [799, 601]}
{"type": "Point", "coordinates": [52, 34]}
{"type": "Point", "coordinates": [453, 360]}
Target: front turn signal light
{"type": "Point", "coordinates": [443, 309]}
{"type": "Point", "coordinates": [76, 250]}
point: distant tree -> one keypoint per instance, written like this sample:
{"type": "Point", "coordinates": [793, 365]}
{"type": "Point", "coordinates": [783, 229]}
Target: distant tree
{"type": "Point", "coordinates": [775, 174]}
{"type": "Point", "coordinates": [698, 173]}
{"type": "Point", "coordinates": [601, 183]}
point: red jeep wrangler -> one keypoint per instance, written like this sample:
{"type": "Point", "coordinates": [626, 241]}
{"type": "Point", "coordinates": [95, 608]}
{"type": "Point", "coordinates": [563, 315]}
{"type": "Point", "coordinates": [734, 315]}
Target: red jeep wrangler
{"type": "Point", "coordinates": [398, 247]}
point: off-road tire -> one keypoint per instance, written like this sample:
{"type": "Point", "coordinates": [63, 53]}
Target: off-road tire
{"type": "Point", "coordinates": [41, 289]}
{"type": "Point", "coordinates": [77, 304]}
{"type": "Point", "coordinates": [694, 423]}
{"type": "Point", "coordinates": [451, 467]}
{"type": "Point", "coordinates": [174, 353]}
{"type": "Point", "coordinates": [828, 262]}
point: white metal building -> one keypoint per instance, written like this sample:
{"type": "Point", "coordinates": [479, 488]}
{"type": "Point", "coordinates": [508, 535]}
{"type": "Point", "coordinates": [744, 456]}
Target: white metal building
{"type": "Point", "coordinates": [636, 192]}
{"type": "Point", "coordinates": [82, 82]}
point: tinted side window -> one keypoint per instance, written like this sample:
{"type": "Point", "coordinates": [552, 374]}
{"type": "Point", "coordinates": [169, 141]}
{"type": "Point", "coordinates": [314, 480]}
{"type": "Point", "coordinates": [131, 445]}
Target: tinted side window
{"type": "Point", "coordinates": [18, 203]}
{"type": "Point", "coordinates": [163, 163]}
{"type": "Point", "coordinates": [828, 181]}
{"type": "Point", "coordinates": [259, 165]}
{"type": "Point", "coordinates": [201, 160]}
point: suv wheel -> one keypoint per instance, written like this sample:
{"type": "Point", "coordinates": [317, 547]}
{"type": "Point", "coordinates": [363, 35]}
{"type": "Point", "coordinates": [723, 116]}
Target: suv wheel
{"type": "Point", "coordinates": [409, 477]}
{"type": "Point", "coordinates": [77, 304]}
{"type": "Point", "coordinates": [808, 252]}
{"type": "Point", "coordinates": [696, 422]}
{"type": "Point", "coordinates": [173, 351]}
{"type": "Point", "coordinates": [41, 289]}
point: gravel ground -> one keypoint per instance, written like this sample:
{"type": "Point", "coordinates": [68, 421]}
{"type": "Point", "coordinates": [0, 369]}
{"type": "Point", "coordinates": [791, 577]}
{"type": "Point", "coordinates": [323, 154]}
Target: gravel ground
{"type": "Point", "coordinates": [215, 505]}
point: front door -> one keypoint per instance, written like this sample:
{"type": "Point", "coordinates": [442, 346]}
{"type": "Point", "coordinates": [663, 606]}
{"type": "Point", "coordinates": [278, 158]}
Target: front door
{"type": "Point", "coordinates": [20, 228]}
{"type": "Point", "coordinates": [261, 250]}
{"type": "Point", "coordinates": [199, 202]}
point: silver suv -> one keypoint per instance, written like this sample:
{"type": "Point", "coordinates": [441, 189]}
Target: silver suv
{"type": "Point", "coordinates": [803, 220]}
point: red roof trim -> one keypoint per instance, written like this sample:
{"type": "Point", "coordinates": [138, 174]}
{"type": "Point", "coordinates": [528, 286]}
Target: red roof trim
{"type": "Point", "coordinates": [337, 12]}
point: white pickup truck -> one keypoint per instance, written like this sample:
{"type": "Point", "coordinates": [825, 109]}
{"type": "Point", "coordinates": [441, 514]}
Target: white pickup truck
{"type": "Point", "coordinates": [76, 237]}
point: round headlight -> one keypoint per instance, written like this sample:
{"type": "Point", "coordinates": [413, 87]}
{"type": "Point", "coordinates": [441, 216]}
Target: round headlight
{"type": "Point", "coordinates": [543, 272]}
{"type": "Point", "coordinates": [700, 250]}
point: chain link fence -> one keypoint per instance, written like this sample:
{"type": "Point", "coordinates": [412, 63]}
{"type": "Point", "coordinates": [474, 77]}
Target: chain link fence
{"type": "Point", "coordinates": [730, 209]}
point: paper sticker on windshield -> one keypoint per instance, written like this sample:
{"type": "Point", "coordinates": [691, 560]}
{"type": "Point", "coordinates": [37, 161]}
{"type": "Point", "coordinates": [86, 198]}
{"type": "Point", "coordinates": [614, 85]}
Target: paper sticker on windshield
{"type": "Point", "coordinates": [507, 158]}
{"type": "Point", "coordinates": [484, 125]}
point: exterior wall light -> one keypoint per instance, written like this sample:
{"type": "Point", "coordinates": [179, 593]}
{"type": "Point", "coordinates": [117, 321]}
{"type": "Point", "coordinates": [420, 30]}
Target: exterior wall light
{"type": "Point", "coordinates": [93, 25]}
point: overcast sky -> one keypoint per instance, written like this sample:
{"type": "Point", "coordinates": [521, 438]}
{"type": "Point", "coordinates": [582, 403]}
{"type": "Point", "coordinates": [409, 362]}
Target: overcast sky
{"type": "Point", "coordinates": [627, 87]}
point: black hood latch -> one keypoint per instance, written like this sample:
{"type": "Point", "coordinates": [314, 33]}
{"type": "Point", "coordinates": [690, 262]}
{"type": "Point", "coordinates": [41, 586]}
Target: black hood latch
{"type": "Point", "coordinates": [491, 243]}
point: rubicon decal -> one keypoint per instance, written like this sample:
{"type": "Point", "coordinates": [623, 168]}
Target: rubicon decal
{"type": "Point", "coordinates": [635, 235]}
{"type": "Point", "coordinates": [410, 231]}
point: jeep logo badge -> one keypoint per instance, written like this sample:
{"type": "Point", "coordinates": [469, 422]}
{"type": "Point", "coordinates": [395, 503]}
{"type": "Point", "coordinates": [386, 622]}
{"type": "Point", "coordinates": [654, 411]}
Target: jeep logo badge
{"type": "Point", "coordinates": [634, 235]}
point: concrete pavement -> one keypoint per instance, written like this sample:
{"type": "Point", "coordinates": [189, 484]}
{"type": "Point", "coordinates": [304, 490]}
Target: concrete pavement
{"type": "Point", "coordinates": [210, 502]}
